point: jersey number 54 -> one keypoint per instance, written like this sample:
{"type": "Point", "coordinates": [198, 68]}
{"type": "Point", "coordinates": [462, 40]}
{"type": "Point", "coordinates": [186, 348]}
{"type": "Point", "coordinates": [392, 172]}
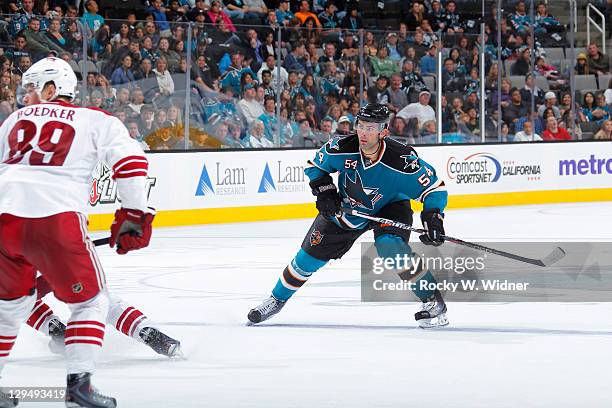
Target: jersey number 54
{"type": "Point", "coordinates": [424, 178]}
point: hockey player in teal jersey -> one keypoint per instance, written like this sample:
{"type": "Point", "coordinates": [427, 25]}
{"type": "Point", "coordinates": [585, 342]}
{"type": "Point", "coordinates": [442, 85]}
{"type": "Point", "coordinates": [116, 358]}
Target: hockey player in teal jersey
{"type": "Point", "coordinates": [377, 176]}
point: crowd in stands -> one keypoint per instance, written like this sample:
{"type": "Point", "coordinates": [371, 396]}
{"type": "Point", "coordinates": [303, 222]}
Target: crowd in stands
{"type": "Point", "coordinates": [216, 66]}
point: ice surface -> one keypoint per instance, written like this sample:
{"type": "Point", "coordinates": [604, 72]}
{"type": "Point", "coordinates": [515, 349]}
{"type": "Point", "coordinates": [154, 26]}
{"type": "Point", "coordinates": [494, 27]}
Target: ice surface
{"type": "Point", "coordinates": [326, 348]}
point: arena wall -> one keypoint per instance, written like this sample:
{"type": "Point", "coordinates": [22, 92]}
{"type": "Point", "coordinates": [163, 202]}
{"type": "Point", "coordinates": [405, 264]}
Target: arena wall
{"type": "Point", "coordinates": [238, 186]}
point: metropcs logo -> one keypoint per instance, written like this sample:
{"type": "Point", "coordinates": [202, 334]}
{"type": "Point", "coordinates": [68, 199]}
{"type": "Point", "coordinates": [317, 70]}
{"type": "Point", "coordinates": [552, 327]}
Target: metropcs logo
{"type": "Point", "coordinates": [592, 165]}
{"type": "Point", "coordinates": [486, 168]}
{"type": "Point", "coordinates": [288, 179]}
{"type": "Point", "coordinates": [228, 181]}
{"type": "Point", "coordinates": [104, 189]}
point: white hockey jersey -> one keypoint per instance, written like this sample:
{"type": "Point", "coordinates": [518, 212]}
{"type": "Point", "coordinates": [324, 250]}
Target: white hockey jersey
{"type": "Point", "coordinates": [48, 152]}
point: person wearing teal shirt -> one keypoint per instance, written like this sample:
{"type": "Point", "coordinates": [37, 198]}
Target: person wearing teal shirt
{"type": "Point", "coordinates": [91, 18]}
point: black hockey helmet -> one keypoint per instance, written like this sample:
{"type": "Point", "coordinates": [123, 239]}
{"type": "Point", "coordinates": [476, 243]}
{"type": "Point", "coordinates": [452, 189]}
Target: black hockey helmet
{"type": "Point", "coordinates": [374, 113]}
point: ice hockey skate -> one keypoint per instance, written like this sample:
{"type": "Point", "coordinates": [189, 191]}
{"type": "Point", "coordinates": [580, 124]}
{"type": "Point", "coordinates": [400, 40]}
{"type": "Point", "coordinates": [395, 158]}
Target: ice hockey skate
{"type": "Point", "coordinates": [7, 401]}
{"type": "Point", "coordinates": [432, 313]}
{"type": "Point", "coordinates": [80, 393]}
{"type": "Point", "coordinates": [160, 343]}
{"type": "Point", "coordinates": [57, 330]}
{"type": "Point", "coordinates": [266, 310]}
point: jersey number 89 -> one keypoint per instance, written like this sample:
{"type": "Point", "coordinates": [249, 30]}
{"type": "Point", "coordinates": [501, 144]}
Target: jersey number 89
{"type": "Point", "coordinates": [51, 149]}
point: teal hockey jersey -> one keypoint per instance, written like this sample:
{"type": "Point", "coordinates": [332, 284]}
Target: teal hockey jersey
{"type": "Point", "coordinates": [398, 175]}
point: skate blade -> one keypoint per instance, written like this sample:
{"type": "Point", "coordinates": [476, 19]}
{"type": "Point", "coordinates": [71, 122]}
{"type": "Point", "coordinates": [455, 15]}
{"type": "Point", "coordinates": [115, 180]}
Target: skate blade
{"type": "Point", "coordinates": [57, 348]}
{"type": "Point", "coordinates": [177, 353]}
{"type": "Point", "coordinates": [438, 321]}
{"type": "Point", "coordinates": [9, 403]}
{"type": "Point", "coordinates": [71, 404]}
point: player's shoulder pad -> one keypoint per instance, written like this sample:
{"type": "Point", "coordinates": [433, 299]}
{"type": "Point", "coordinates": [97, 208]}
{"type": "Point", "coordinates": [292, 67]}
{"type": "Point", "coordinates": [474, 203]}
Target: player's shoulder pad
{"type": "Point", "coordinates": [342, 145]}
{"type": "Point", "coordinates": [93, 108]}
{"type": "Point", "coordinates": [400, 157]}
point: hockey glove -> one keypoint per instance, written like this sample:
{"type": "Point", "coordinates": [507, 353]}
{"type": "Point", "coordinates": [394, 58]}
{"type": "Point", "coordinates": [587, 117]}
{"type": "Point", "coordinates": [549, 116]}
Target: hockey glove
{"type": "Point", "coordinates": [328, 199]}
{"type": "Point", "coordinates": [433, 222]}
{"type": "Point", "coordinates": [131, 230]}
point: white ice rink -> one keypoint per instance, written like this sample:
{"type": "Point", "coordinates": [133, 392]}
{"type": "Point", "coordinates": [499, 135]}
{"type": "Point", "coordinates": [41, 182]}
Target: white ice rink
{"type": "Point", "coordinates": [326, 348]}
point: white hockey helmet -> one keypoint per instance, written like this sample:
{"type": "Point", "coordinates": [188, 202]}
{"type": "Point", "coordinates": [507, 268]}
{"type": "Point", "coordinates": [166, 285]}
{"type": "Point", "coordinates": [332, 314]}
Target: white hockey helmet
{"type": "Point", "coordinates": [54, 70]}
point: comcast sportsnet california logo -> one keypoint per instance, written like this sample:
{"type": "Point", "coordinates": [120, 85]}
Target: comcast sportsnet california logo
{"type": "Point", "coordinates": [104, 189]}
{"type": "Point", "coordinates": [487, 168]}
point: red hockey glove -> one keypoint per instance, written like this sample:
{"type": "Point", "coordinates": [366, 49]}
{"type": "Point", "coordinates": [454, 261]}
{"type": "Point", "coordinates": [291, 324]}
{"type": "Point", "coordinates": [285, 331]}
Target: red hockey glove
{"type": "Point", "coordinates": [131, 230]}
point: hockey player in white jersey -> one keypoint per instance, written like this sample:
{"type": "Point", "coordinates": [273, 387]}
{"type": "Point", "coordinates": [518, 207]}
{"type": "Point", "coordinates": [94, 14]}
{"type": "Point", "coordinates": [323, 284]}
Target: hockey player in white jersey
{"type": "Point", "coordinates": [47, 153]}
{"type": "Point", "coordinates": [124, 317]}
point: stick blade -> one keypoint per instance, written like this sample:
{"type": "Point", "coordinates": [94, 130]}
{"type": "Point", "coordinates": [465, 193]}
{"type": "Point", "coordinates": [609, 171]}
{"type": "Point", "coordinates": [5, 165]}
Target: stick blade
{"type": "Point", "coordinates": [555, 256]}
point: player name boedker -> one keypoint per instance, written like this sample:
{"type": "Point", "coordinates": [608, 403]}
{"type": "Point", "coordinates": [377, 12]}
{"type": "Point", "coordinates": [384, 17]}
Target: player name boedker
{"type": "Point", "coordinates": [465, 285]}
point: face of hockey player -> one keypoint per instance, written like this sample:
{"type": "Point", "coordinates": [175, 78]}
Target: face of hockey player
{"type": "Point", "coordinates": [32, 98]}
{"type": "Point", "coordinates": [370, 135]}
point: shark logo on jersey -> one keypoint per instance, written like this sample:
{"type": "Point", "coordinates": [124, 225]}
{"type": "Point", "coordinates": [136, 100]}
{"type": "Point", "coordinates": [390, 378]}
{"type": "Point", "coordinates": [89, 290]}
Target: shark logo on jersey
{"type": "Point", "coordinates": [412, 164]}
{"type": "Point", "coordinates": [267, 183]}
{"type": "Point", "coordinates": [358, 195]}
{"type": "Point", "coordinates": [333, 144]}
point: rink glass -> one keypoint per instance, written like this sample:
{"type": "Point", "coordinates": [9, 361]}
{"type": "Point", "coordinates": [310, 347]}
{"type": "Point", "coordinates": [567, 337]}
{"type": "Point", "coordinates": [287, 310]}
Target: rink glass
{"type": "Point", "coordinates": [211, 114]}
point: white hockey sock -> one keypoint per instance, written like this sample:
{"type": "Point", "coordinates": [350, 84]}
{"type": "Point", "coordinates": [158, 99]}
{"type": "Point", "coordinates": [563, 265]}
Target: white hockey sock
{"type": "Point", "coordinates": [85, 333]}
{"type": "Point", "coordinates": [125, 318]}
{"type": "Point", "coordinates": [40, 317]}
{"type": "Point", "coordinates": [12, 315]}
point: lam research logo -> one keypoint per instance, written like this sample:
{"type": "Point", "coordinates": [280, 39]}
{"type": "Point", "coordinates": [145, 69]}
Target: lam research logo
{"type": "Point", "coordinates": [227, 181]}
{"type": "Point", "coordinates": [204, 185]}
{"type": "Point", "coordinates": [267, 183]}
{"type": "Point", "coordinates": [104, 189]}
{"type": "Point", "coordinates": [486, 168]}
{"type": "Point", "coordinates": [286, 179]}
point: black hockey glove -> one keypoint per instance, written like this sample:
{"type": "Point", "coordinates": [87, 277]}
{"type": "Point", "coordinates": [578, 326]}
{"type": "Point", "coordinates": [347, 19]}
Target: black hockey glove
{"type": "Point", "coordinates": [328, 199]}
{"type": "Point", "coordinates": [433, 222]}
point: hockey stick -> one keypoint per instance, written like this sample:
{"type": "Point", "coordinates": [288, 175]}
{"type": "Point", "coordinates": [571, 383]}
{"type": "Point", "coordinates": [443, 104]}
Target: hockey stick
{"type": "Point", "coordinates": [553, 257]}
{"type": "Point", "coordinates": [101, 241]}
